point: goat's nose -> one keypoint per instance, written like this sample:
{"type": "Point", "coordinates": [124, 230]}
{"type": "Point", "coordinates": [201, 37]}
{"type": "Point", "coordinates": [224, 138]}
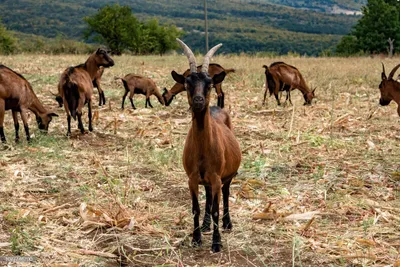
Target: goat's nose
{"type": "Point", "coordinates": [198, 99]}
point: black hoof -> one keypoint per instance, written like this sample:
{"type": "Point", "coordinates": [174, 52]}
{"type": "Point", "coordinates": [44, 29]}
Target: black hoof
{"type": "Point", "coordinates": [196, 243]}
{"type": "Point", "coordinates": [91, 129]}
{"type": "Point", "coordinates": [205, 228]}
{"type": "Point", "coordinates": [216, 247]}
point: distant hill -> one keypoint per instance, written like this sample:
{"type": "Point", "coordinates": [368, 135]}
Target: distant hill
{"type": "Point", "coordinates": [279, 26]}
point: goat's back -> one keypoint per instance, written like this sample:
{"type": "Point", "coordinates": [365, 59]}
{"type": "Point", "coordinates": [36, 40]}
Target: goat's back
{"type": "Point", "coordinates": [78, 76]}
{"type": "Point", "coordinates": [221, 116]}
{"type": "Point", "coordinates": [137, 81]}
{"type": "Point", "coordinates": [14, 88]}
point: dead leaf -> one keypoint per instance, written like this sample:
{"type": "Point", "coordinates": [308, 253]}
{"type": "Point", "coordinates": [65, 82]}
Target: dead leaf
{"type": "Point", "coordinates": [302, 216]}
{"type": "Point", "coordinates": [366, 242]}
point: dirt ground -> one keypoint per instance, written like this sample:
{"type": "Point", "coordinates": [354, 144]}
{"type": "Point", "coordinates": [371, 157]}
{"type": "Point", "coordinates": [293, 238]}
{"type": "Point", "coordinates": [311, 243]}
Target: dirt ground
{"type": "Point", "coordinates": [318, 185]}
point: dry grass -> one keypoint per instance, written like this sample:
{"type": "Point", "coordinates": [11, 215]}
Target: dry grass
{"type": "Point", "coordinates": [318, 186]}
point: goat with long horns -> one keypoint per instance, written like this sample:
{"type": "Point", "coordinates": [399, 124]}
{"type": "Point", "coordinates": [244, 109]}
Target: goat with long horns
{"type": "Point", "coordinates": [390, 89]}
{"type": "Point", "coordinates": [212, 155]}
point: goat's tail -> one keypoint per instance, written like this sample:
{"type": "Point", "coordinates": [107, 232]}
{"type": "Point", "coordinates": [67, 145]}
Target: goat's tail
{"type": "Point", "coordinates": [229, 71]}
{"type": "Point", "coordinates": [71, 93]}
{"type": "Point", "coordinates": [159, 96]}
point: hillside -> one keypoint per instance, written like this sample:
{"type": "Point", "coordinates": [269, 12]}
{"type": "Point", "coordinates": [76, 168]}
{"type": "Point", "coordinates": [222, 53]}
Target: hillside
{"type": "Point", "coordinates": [243, 26]}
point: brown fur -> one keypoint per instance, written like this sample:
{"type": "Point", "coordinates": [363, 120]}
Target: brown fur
{"type": "Point", "coordinates": [76, 87]}
{"type": "Point", "coordinates": [136, 84]}
{"type": "Point", "coordinates": [212, 70]}
{"type": "Point", "coordinates": [211, 155]}
{"type": "Point", "coordinates": [390, 89]}
{"type": "Point", "coordinates": [17, 94]}
{"type": "Point", "coordinates": [285, 77]}
{"type": "Point", "coordinates": [96, 83]}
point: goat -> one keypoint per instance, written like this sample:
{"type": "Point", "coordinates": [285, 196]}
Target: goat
{"type": "Point", "coordinates": [96, 83]}
{"type": "Point", "coordinates": [211, 155]}
{"type": "Point", "coordinates": [284, 77]}
{"type": "Point", "coordinates": [76, 87]}
{"type": "Point", "coordinates": [390, 89]}
{"type": "Point", "coordinates": [136, 84]}
{"type": "Point", "coordinates": [212, 70]}
{"type": "Point", "coordinates": [16, 93]}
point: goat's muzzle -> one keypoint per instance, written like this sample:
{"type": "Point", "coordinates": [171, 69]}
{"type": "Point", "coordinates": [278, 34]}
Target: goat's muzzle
{"type": "Point", "coordinates": [198, 103]}
{"type": "Point", "coordinates": [383, 102]}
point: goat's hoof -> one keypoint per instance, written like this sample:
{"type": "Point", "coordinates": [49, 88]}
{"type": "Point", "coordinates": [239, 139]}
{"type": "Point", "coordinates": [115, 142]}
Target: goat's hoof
{"type": "Point", "coordinates": [91, 129]}
{"type": "Point", "coordinates": [216, 247]}
{"type": "Point", "coordinates": [17, 140]}
{"type": "Point", "coordinates": [205, 228]}
{"type": "Point", "coordinates": [197, 243]}
{"type": "Point", "coordinates": [227, 227]}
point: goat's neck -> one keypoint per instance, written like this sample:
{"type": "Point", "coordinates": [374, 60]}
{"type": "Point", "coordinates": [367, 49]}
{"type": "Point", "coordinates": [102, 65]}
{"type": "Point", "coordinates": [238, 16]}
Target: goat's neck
{"type": "Point", "coordinates": [396, 94]}
{"type": "Point", "coordinates": [202, 128]}
{"type": "Point", "coordinates": [36, 107]}
{"type": "Point", "coordinates": [91, 67]}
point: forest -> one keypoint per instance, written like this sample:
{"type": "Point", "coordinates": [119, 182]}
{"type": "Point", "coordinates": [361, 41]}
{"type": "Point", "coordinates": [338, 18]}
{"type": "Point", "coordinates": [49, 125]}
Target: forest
{"type": "Point", "coordinates": [257, 26]}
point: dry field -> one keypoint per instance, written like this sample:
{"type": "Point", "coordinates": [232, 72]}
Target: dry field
{"type": "Point", "coordinates": [318, 186]}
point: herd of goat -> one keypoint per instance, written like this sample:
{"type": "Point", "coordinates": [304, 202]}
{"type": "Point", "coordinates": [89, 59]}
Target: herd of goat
{"type": "Point", "coordinates": [211, 155]}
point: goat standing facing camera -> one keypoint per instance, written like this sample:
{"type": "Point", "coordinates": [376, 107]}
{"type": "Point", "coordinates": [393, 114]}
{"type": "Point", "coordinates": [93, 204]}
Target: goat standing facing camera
{"type": "Point", "coordinates": [212, 155]}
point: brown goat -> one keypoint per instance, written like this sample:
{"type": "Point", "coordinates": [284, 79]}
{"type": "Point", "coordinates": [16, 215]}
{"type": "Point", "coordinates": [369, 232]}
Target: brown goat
{"type": "Point", "coordinates": [96, 83]}
{"type": "Point", "coordinates": [136, 84]}
{"type": "Point", "coordinates": [211, 155]}
{"type": "Point", "coordinates": [17, 94]}
{"type": "Point", "coordinates": [283, 77]}
{"type": "Point", "coordinates": [76, 87]}
{"type": "Point", "coordinates": [390, 89]}
{"type": "Point", "coordinates": [212, 70]}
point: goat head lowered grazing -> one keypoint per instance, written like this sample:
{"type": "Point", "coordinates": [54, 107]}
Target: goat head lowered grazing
{"type": "Point", "coordinates": [76, 87]}
{"type": "Point", "coordinates": [213, 69]}
{"type": "Point", "coordinates": [211, 156]}
{"type": "Point", "coordinates": [17, 94]}
{"type": "Point", "coordinates": [284, 77]}
{"type": "Point", "coordinates": [390, 89]}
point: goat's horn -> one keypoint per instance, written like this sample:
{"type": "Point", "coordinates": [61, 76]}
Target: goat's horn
{"type": "Point", "coordinates": [393, 72]}
{"type": "Point", "coordinates": [188, 52]}
{"type": "Point", "coordinates": [207, 57]}
{"type": "Point", "coordinates": [383, 68]}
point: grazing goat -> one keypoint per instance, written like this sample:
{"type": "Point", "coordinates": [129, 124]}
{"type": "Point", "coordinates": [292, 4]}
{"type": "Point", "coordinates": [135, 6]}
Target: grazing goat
{"type": "Point", "coordinates": [136, 84]}
{"type": "Point", "coordinates": [76, 87]}
{"type": "Point", "coordinates": [96, 83]}
{"type": "Point", "coordinates": [211, 155]}
{"type": "Point", "coordinates": [390, 89]}
{"type": "Point", "coordinates": [16, 94]}
{"type": "Point", "coordinates": [212, 70]}
{"type": "Point", "coordinates": [283, 77]}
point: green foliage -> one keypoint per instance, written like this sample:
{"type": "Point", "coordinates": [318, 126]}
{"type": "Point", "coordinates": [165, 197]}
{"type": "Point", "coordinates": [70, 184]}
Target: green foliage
{"type": "Point", "coordinates": [243, 25]}
{"type": "Point", "coordinates": [116, 27]}
{"type": "Point", "coordinates": [347, 46]}
{"type": "Point", "coordinates": [7, 42]}
{"type": "Point", "coordinates": [380, 22]}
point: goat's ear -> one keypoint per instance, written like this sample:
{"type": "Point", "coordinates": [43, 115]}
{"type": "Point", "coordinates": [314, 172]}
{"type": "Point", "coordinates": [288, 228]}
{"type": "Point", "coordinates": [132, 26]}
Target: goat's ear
{"type": "Point", "coordinates": [383, 76]}
{"type": "Point", "coordinates": [265, 66]}
{"type": "Point", "coordinates": [52, 115]}
{"type": "Point", "coordinates": [313, 91]}
{"type": "Point", "coordinates": [177, 77]}
{"type": "Point", "coordinates": [98, 50]}
{"type": "Point", "coordinates": [219, 78]}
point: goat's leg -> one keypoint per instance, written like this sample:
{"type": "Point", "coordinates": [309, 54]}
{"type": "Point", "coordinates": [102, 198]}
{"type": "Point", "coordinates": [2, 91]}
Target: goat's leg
{"type": "Point", "coordinates": [265, 96]}
{"type": "Point", "coordinates": [207, 214]}
{"type": "Point", "coordinates": [79, 113]}
{"type": "Point", "coordinates": [16, 125]}
{"type": "Point", "coordinates": [216, 196]}
{"type": "Point", "coordinates": [123, 98]}
{"type": "Point", "coordinates": [148, 101]}
{"type": "Point", "coordinates": [2, 111]}
{"type": "Point", "coordinates": [131, 98]}
{"type": "Point", "coordinates": [194, 192]}
{"type": "Point", "coordinates": [277, 98]}
{"type": "Point", "coordinates": [226, 218]}
{"type": "Point", "coordinates": [221, 95]}
{"type": "Point", "coordinates": [24, 118]}
{"type": "Point", "coordinates": [90, 114]}
{"type": "Point", "coordinates": [69, 124]}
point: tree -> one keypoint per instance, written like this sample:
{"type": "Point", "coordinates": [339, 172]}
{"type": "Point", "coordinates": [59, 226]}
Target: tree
{"type": "Point", "coordinates": [7, 42]}
{"type": "Point", "coordinates": [116, 27]}
{"type": "Point", "coordinates": [380, 22]}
